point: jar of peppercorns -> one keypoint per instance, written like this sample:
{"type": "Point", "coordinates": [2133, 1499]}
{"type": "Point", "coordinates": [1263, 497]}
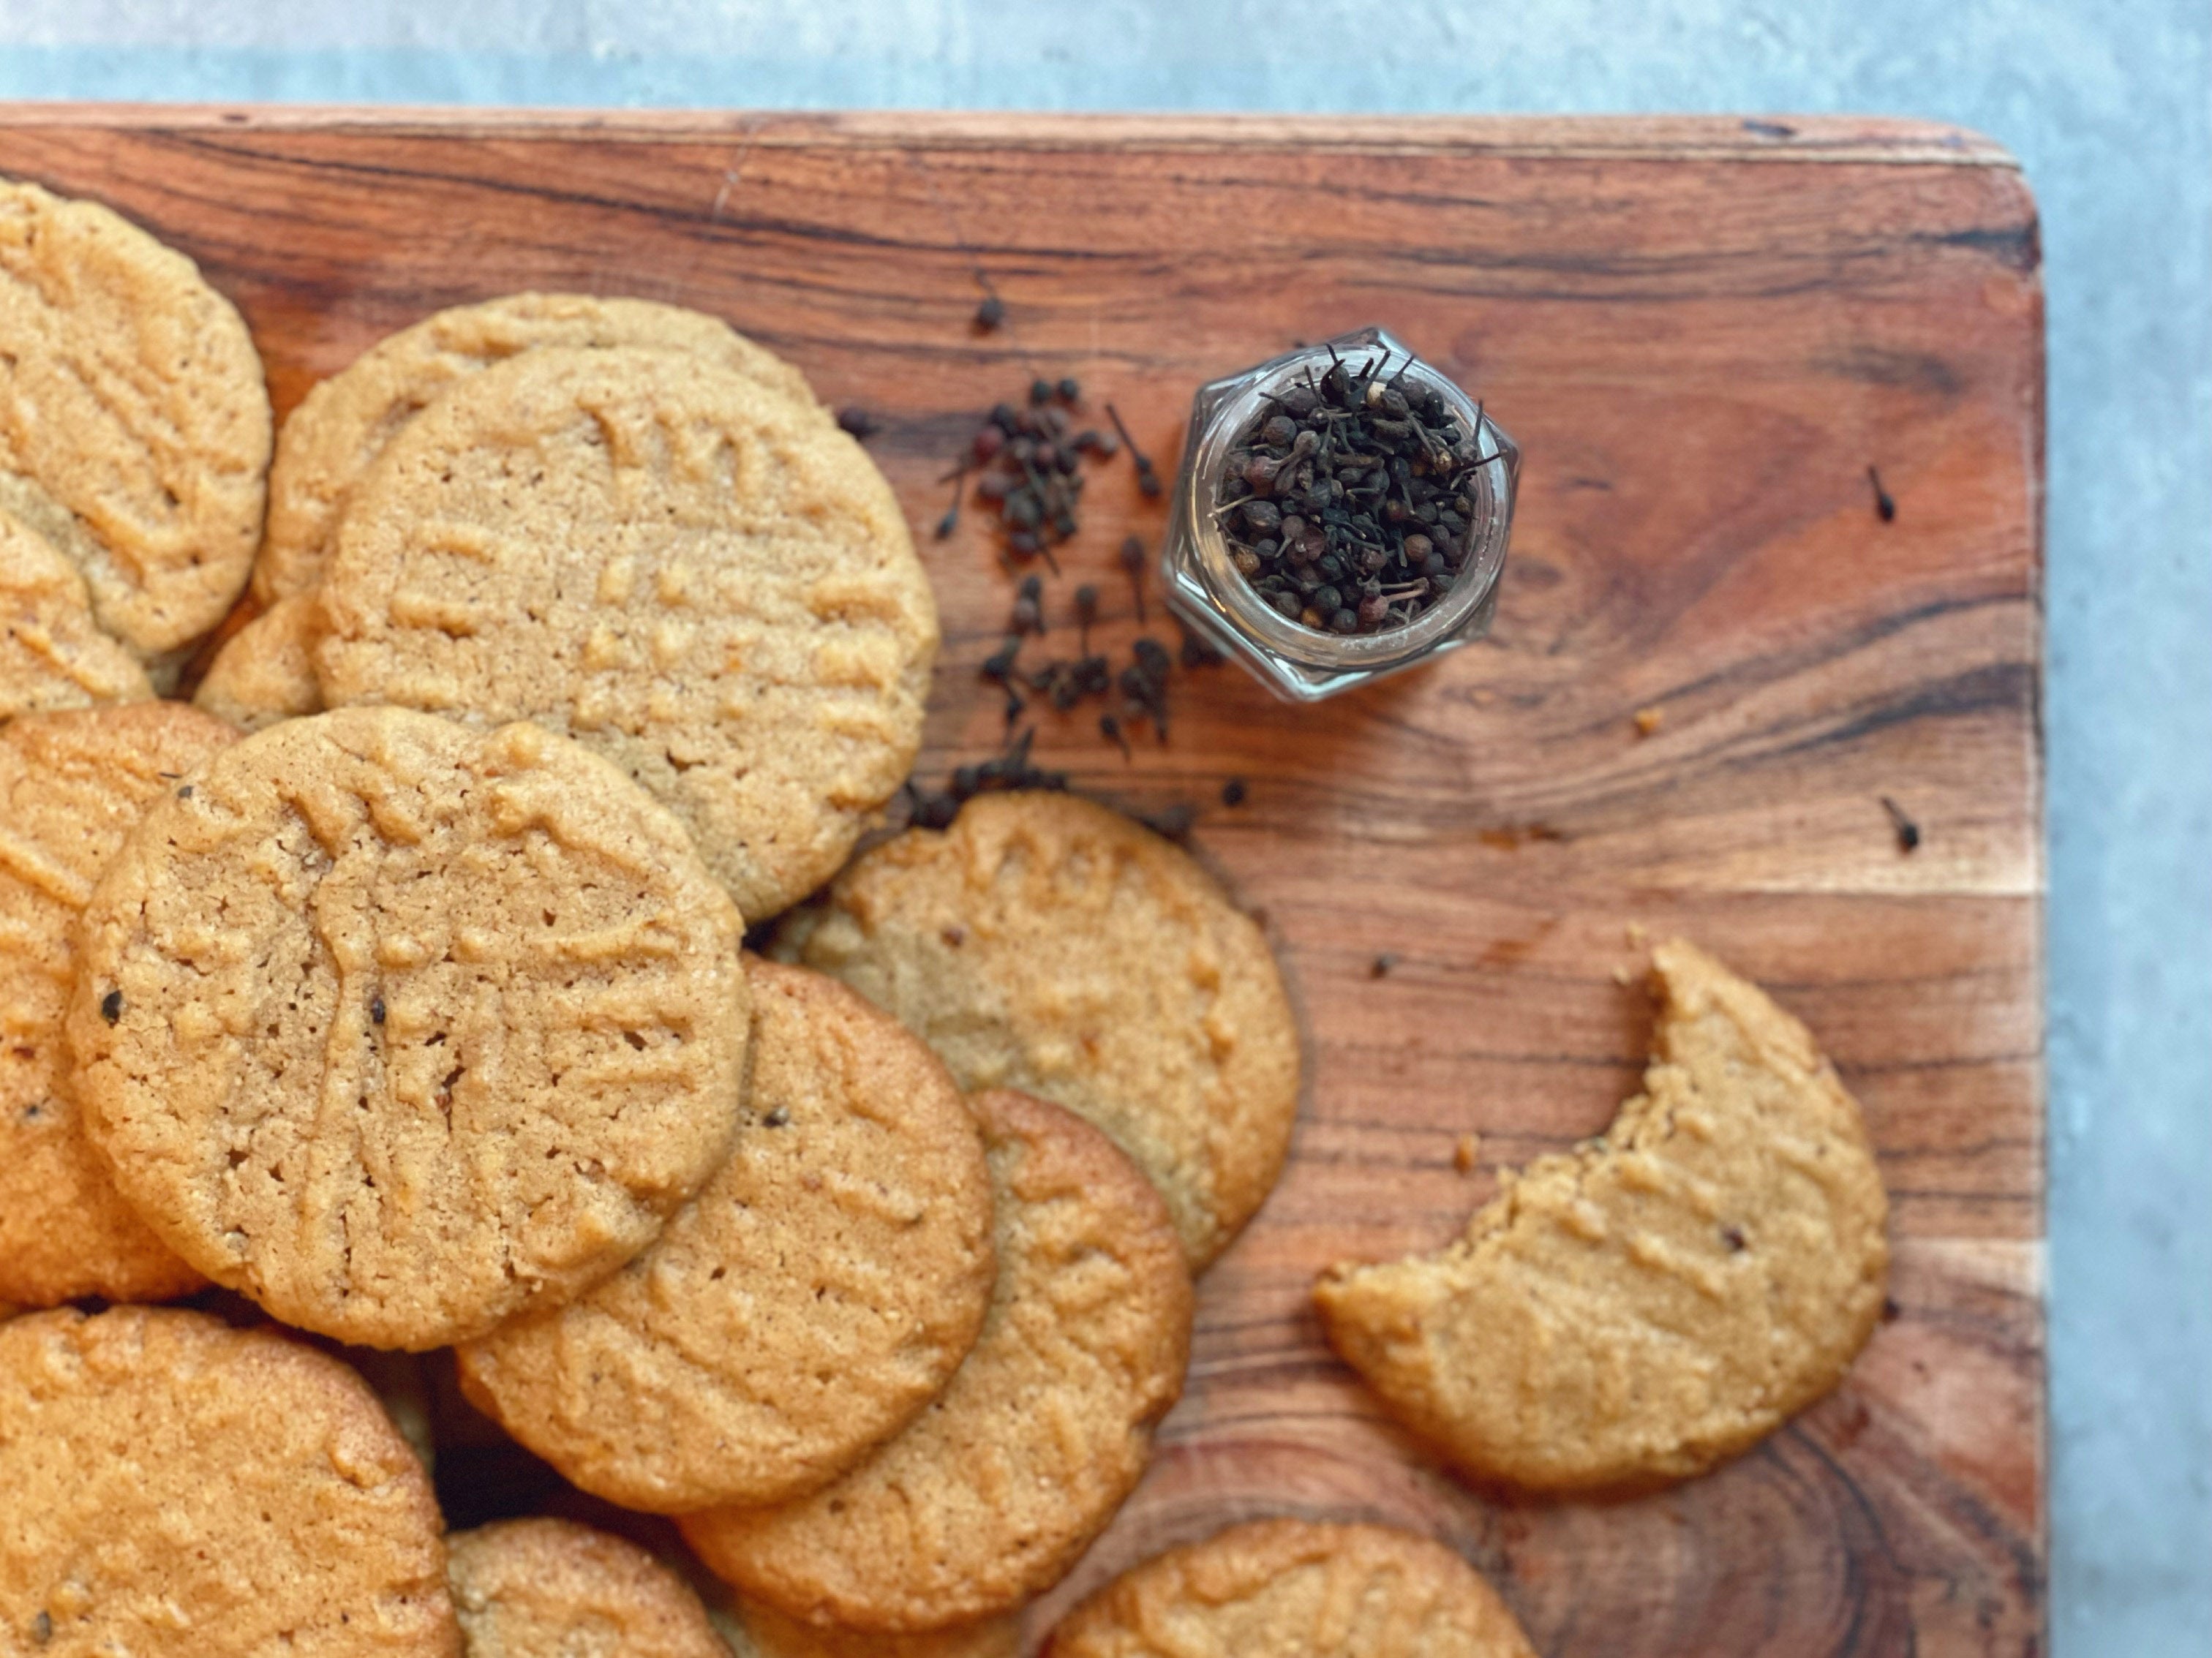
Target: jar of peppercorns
{"type": "Point", "coordinates": [1341, 514]}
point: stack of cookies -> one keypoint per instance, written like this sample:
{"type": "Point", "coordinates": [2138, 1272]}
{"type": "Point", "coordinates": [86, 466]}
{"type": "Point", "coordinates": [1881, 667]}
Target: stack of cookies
{"type": "Point", "coordinates": [400, 987]}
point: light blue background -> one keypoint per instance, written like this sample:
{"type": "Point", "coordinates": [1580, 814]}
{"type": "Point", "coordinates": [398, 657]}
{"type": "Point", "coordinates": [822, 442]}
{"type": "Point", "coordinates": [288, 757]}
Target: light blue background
{"type": "Point", "coordinates": [2109, 104]}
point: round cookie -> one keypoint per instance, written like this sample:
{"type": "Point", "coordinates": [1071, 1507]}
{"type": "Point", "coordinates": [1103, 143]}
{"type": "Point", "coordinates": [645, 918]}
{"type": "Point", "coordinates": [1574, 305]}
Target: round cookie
{"type": "Point", "coordinates": [403, 1028]}
{"type": "Point", "coordinates": [72, 786]}
{"type": "Point", "coordinates": [692, 577]}
{"type": "Point", "coordinates": [551, 1588]}
{"type": "Point", "coordinates": [171, 1487]}
{"type": "Point", "coordinates": [818, 1293]}
{"type": "Point", "coordinates": [1047, 943]}
{"type": "Point", "coordinates": [765, 1632]}
{"type": "Point", "coordinates": [265, 671]}
{"type": "Point", "coordinates": [134, 420]}
{"type": "Point", "coordinates": [992, 1493]}
{"type": "Point", "coordinates": [1656, 1300]}
{"type": "Point", "coordinates": [52, 653]}
{"type": "Point", "coordinates": [333, 438]}
{"type": "Point", "coordinates": [1292, 1588]}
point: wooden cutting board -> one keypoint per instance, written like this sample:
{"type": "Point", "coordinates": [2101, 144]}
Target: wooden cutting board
{"type": "Point", "coordinates": [1703, 333]}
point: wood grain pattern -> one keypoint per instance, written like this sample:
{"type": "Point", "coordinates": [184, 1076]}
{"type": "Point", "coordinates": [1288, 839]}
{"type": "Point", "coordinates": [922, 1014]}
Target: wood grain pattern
{"type": "Point", "coordinates": [1702, 332]}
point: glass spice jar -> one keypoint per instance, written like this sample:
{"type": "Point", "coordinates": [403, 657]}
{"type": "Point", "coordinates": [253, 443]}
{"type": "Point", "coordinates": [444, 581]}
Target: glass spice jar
{"type": "Point", "coordinates": [1206, 591]}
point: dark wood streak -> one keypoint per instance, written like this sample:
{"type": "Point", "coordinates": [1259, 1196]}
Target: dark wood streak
{"type": "Point", "coordinates": [1702, 335]}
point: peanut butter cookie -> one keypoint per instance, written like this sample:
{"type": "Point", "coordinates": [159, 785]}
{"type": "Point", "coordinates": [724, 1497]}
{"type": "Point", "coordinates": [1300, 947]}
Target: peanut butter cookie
{"type": "Point", "coordinates": [72, 786]}
{"type": "Point", "coordinates": [341, 427]}
{"type": "Point", "coordinates": [402, 1028]}
{"type": "Point", "coordinates": [819, 1293]}
{"type": "Point", "coordinates": [52, 653]}
{"type": "Point", "coordinates": [653, 555]}
{"type": "Point", "coordinates": [1291, 1588]}
{"type": "Point", "coordinates": [767, 1633]}
{"type": "Point", "coordinates": [171, 1487]}
{"type": "Point", "coordinates": [265, 671]}
{"type": "Point", "coordinates": [1639, 1308]}
{"type": "Point", "coordinates": [995, 1490]}
{"type": "Point", "coordinates": [1047, 943]}
{"type": "Point", "coordinates": [551, 1588]}
{"type": "Point", "coordinates": [134, 420]}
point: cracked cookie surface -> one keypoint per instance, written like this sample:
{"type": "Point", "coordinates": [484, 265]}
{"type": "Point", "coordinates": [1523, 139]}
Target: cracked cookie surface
{"type": "Point", "coordinates": [72, 786]}
{"type": "Point", "coordinates": [1656, 1300]}
{"type": "Point", "coordinates": [991, 1495]}
{"type": "Point", "coordinates": [52, 653]}
{"type": "Point", "coordinates": [172, 1487]}
{"type": "Point", "coordinates": [134, 420]}
{"type": "Point", "coordinates": [551, 1588]}
{"type": "Point", "coordinates": [333, 438]}
{"type": "Point", "coordinates": [402, 1028]}
{"type": "Point", "coordinates": [265, 671]}
{"type": "Point", "coordinates": [1294, 1589]}
{"type": "Point", "coordinates": [1047, 944]}
{"type": "Point", "coordinates": [659, 557]}
{"type": "Point", "coordinates": [819, 1291]}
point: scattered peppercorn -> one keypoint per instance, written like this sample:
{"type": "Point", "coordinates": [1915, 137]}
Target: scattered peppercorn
{"type": "Point", "coordinates": [778, 1116]}
{"type": "Point", "coordinates": [1232, 793]}
{"type": "Point", "coordinates": [858, 422]}
{"type": "Point", "coordinates": [1348, 503]}
{"type": "Point", "coordinates": [186, 792]}
{"type": "Point", "coordinates": [1148, 477]}
{"type": "Point", "coordinates": [1908, 832]}
{"type": "Point", "coordinates": [1029, 607]}
{"type": "Point", "coordinates": [1040, 391]}
{"type": "Point", "coordinates": [1885, 504]}
{"type": "Point", "coordinates": [1733, 1236]}
{"type": "Point", "coordinates": [111, 1006]}
{"type": "Point", "coordinates": [990, 314]}
{"type": "Point", "coordinates": [1133, 561]}
{"type": "Point", "coordinates": [1381, 966]}
{"type": "Point", "coordinates": [376, 1010]}
{"type": "Point", "coordinates": [1009, 769]}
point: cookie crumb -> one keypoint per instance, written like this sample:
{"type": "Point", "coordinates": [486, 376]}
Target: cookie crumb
{"type": "Point", "coordinates": [1465, 1154]}
{"type": "Point", "coordinates": [1622, 975]}
{"type": "Point", "coordinates": [1636, 933]}
{"type": "Point", "coordinates": [1648, 722]}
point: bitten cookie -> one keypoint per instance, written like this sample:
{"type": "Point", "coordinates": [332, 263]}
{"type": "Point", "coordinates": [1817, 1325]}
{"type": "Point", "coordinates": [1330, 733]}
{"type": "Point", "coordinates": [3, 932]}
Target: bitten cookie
{"type": "Point", "coordinates": [333, 438]}
{"type": "Point", "coordinates": [402, 1028]}
{"type": "Point", "coordinates": [134, 420]}
{"type": "Point", "coordinates": [1291, 1588]}
{"type": "Point", "coordinates": [52, 653]}
{"type": "Point", "coordinates": [685, 572]}
{"type": "Point", "coordinates": [820, 1291]}
{"type": "Point", "coordinates": [1047, 943]}
{"type": "Point", "coordinates": [171, 1487]}
{"type": "Point", "coordinates": [1659, 1299]}
{"type": "Point", "coordinates": [72, 786]}
{"type": "Point", "coordinates": [265, 671]}
{"type": "Point", "coordinates": [767, 1633]}
{"type": "Point", "coordinates": [995, 1490]}
{"type": "Point", "coordinates": [551, 1588]}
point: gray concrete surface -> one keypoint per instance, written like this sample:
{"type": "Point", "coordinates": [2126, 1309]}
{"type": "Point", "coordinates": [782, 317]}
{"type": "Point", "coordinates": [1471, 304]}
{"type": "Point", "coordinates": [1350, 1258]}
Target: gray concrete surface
{"type": "Point", "coordinates": [2109, 104]}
